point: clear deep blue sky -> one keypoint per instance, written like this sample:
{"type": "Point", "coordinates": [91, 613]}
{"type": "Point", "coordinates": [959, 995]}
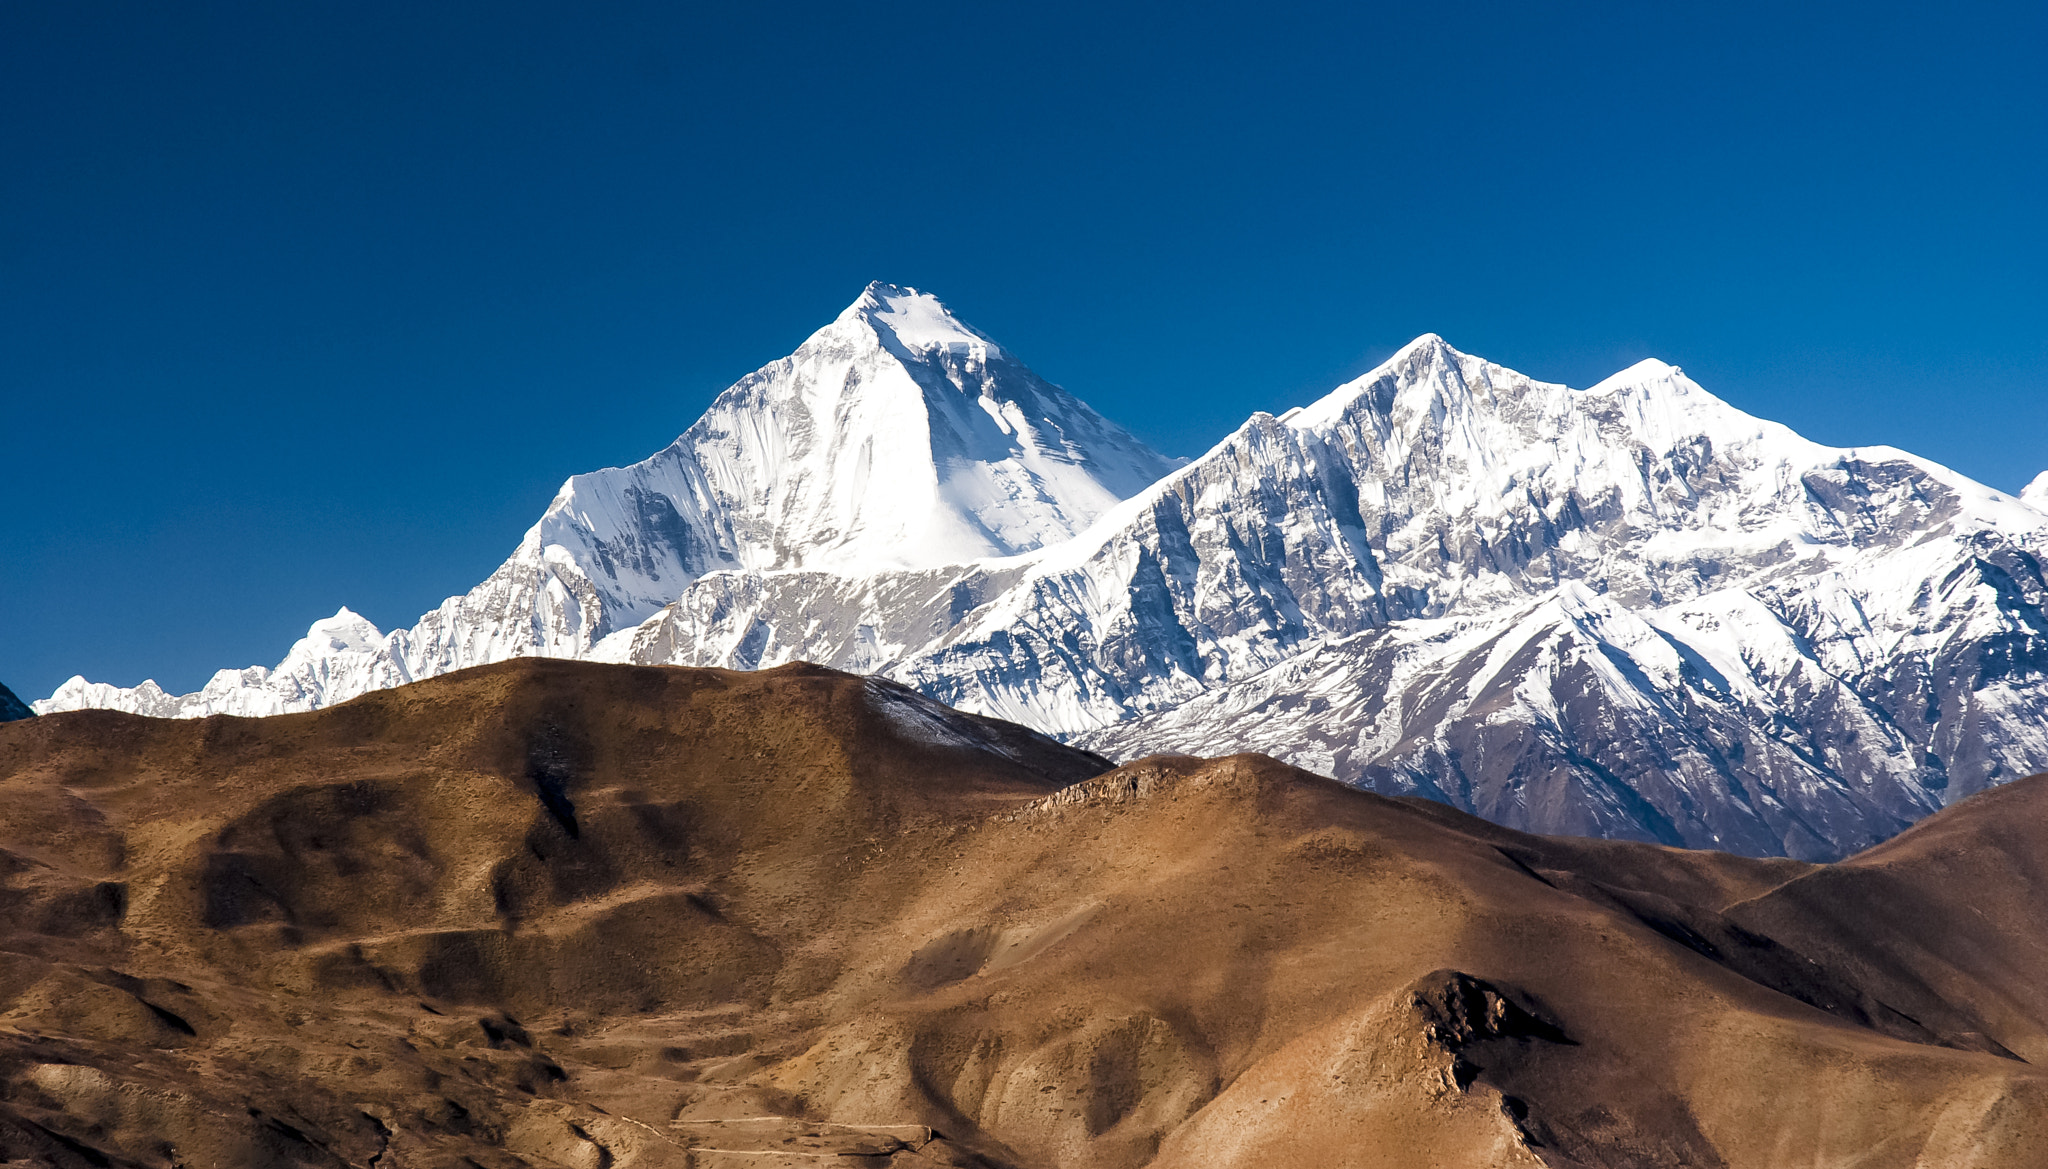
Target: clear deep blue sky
{"type": "Point", "coordinates": [304, 305]}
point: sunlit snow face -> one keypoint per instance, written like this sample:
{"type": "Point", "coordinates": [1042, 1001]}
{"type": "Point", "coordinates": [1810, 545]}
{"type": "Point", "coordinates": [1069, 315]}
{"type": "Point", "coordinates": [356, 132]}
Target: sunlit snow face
{"type": "Point", "coordinates": [897, 437]}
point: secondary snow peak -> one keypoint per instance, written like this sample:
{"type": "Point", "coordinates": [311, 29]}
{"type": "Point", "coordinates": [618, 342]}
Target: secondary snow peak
{"type": "Point", "coordinates": [1647, 371]}
{"type": "Point", "coordinates": [2036, 492]}
{"type": "Point", "coordinates": [347, 629]}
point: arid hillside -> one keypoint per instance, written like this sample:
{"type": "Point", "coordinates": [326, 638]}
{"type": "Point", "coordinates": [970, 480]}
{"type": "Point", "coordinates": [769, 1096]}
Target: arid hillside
{"type": "Point", "coordinates": [556, 914]}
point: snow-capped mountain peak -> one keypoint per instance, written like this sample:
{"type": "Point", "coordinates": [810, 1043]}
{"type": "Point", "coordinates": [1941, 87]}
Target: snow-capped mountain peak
{"type": "Point", "coordinates": [897, 436]}
{"type": "Point", "coordinates": [914, 322]}
{"type": "Point", "coordinates": [1428, 351]}
{"type": "Point", "coordinates": [1648, 371]}
{"type": "Point", "coordinates": [2036, 493]}
{"type": "Point", "coordinates": [900, 437]}
{"type": "Point", "coordinates": [346, 630]}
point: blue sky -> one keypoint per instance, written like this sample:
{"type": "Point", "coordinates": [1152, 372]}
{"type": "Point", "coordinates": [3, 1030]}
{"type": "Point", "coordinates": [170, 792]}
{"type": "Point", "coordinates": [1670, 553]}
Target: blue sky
{"type": "Point", "coordinates": [304, 305]}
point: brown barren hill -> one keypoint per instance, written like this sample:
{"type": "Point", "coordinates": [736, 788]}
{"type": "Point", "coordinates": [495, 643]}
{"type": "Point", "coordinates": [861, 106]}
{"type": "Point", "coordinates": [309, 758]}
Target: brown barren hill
{"type": "Point", "coordinates": [548, 913]}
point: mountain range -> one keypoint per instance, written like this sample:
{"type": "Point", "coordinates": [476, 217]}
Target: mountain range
{"type": "Point", "coordinates": [1628, 611]}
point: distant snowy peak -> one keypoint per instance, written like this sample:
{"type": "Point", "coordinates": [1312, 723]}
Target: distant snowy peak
{"type": "Point", "coordinates": [1440, 480]}
{"type": "Point", "coordinates": [1483, 439]}
{"type": "Point", "coordinates": [900, 437]}
{"type": "Point", "coordinates": [2036, 493]}
{"type": "Point", "coordinates": [346, 630]}
{"type": "Point", "coordinates": [1431, 391]}
{"type": "Point", "coordinates": [895, 437]}
{"type": "Point", "coordinates": [340, 657]}
{"type": "Point", "coordinates": [912, 321]}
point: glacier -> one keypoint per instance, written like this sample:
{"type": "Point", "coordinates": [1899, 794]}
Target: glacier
{"type": "Point", "coordinates": [1630, 610]}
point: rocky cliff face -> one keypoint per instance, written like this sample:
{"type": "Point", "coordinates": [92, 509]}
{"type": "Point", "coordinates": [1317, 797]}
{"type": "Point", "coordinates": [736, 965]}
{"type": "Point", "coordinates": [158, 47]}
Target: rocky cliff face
{"type": "Point", "coordinates": [1630, 610]}
{"type": "Point", "coordinates": [12, 708]}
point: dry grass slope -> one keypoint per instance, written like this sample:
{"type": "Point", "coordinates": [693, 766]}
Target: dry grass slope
{"type": "Point", "coordinates": [559, 914]}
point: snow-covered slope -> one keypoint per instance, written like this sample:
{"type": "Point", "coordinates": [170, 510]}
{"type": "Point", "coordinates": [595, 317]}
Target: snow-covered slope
{"type": "Point", "coordinates": [1630, 610]}
{"type": "Point", "coordinates": [895, 437]}
{"type": "Point", "coordinates": [341, 655]}
{"type": "Point", "coordinates": [2036, 492]}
